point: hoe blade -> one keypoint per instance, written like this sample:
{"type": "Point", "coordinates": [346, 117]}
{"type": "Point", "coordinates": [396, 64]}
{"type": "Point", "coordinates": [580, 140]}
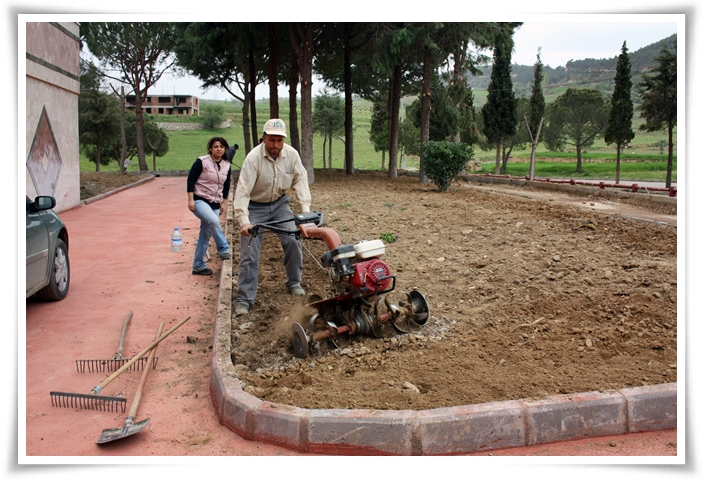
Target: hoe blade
{"type": "Point", "coordinates": [129, 428]}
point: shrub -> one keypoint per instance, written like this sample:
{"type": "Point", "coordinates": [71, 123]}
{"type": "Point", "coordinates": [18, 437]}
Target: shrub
{"type": "Point", "coordinates": [444, 160]}
{"type": "Point", "coordinates": [213, 116]}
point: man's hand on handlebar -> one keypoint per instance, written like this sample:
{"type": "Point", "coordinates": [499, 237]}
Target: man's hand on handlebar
{"type": "Point", "coordinates": [314, 217]}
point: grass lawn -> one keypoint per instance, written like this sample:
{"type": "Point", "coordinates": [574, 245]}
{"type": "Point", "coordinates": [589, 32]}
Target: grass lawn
{"type": "Point", "coordinates": [643, 161]}
{"type": "Point", "coordinates": [638, 170]}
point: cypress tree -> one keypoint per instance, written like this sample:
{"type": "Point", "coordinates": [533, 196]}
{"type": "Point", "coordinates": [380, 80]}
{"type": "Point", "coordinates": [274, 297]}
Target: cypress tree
{"type": "Point", "coordinates": [619, 129]}
{"type": "Point", "coordinates": [537, 107]}
{"type": "Point", "coordinates": [499, 112]}
{"type": "Point", "coordinates": [659, 100]}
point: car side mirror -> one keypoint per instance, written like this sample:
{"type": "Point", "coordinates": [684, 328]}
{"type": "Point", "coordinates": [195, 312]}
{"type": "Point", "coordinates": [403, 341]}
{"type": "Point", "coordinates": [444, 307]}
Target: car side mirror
{"type": "Point", "coordinates": [42, 203]}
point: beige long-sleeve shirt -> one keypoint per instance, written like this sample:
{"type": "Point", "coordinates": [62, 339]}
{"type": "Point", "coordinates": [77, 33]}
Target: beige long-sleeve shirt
{"type": "Point", "coordinates": [263, 180]}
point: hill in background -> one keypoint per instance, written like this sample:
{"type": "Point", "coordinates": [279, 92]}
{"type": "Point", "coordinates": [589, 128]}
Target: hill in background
{"type": "Point", "coordinates": [588, 73]}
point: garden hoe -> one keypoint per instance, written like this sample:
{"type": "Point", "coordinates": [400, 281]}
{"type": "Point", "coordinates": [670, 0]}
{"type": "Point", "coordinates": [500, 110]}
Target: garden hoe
{"type": "Point", "coordinates": [111, 365]}
{"type": "Point", "coordinates": [105, 403]}
{"type": "Point", "coordinates": [130, 427]}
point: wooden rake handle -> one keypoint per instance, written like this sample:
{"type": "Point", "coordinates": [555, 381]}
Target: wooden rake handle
{"type": "Point", "coordinates": [140, 389]}
{"type": "Point", "coordinates": [118, 355]}
{"type": "Point", "coordinates": [126, 366]}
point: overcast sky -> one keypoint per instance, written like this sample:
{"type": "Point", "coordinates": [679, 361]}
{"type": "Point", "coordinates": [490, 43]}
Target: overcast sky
{"type": "Point", "coordinates": [561, 38]}
{"type": "Point", "coordinates": [561, 41]}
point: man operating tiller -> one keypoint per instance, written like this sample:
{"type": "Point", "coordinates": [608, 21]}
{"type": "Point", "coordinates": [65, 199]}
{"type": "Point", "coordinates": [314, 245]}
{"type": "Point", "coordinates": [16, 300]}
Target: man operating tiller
{"type": "Point", "coordinates": [268, 171]}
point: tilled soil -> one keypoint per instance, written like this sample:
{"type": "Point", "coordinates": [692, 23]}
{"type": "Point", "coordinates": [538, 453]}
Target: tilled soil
{"type": "Point", "coordinates": [528, 295]}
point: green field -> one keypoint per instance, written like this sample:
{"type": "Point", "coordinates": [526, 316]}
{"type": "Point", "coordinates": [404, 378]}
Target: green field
{"type": "Point", "coordinates": [643, 161]}
{"type": "Point", "coordinates": [639, 170]}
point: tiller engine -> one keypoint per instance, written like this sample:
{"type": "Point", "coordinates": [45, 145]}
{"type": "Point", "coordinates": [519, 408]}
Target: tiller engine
{"type": "Point", "coordinates": [361, 280]}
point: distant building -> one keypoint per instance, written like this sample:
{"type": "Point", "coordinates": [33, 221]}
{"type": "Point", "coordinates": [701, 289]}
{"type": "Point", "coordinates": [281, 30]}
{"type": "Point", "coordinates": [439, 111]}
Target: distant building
{"type": "Point", "coordinates": [181, 105]}
{"type": "Point", "coordinates": [52, 82]}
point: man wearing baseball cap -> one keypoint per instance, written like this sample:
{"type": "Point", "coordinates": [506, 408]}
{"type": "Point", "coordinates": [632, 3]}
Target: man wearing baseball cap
{"type": "Point", "coordinates": [268, 171]}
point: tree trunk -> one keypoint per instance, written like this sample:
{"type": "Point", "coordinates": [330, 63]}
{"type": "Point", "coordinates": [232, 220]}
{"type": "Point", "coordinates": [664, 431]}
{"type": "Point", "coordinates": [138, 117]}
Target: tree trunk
{"type": "Point", "coordinates": [497, 158]}
{"type": "Point", "coordinates": [457, 79]}
{"type": "Point", "coordinates": [324, 152]}
{"type": "Point", "coordinates": [618, 167]}
{"type": "Point", "coordinates": [153, 150]}
{"type": "Point", "coordinates": [330, 151]}
{"type": "Point", "coordinates": [382, 161]}
{"type": "Point", "coordinates": [138, 112]}
{"type": "Point", "coordinates": [669, 171]}
{"type": "Point", "coordinates": [505, 158]}
{"type": "Point", "coordinates": [252, 96]}
{"type": "Point", "coordinates": [307, 152]}
{"type": "Point", "coordinates": [426, 111]}
{"type": "Point", "coordinates": [301, 36]}
{"type": "Point", "coordinates": [534, 144]}
{"type": "Point", "coordinates": [579, 167]}
{"type": "Point", "coordinates": [122, 130]}
{"type": "Point", "coordinates": [348, 112]}
{"type": "Point", "coordinates": [97, 156]}
{"type": "Point", "coordinates": [294, 132]}
{"type": "Point", "coordinates": [395, 123]}
{"type": "Point", "coordinates": [245, 124]}
{"type": "Point", "coordinates": [389, 115]}
{"type": "Point", "coordinates": [273, 69]}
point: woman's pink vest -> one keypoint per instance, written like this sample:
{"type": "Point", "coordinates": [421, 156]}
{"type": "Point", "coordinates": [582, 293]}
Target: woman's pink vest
{"type": "Point", "coordinates": [211, 180]}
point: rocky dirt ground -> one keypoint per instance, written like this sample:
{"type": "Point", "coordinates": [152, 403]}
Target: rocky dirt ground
{"type": "Point", "coordinates": [93, 184]}
{"type": "Point", "coordinates": [530, 294]}
{"type": "Point", "coordinates": [528, 297]}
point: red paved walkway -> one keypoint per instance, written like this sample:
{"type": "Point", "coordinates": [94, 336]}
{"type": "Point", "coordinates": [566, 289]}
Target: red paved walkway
{"type": "Point", "coordinates": [121, 261]}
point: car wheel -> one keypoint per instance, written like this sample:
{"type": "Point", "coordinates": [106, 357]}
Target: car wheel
{"type": "Point", "coordinates": [60, 277]}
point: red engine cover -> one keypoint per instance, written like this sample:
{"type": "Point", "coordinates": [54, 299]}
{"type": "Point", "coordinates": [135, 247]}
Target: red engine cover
{"type": "Point", "coordinates": [371, 275]}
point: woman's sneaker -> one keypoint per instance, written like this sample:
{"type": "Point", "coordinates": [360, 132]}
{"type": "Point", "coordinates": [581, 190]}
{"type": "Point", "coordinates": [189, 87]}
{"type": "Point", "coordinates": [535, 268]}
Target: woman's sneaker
{"type": "Point", "coordinates": [203, 272]}
{"type": "Point", "coordinates": [241, 308]}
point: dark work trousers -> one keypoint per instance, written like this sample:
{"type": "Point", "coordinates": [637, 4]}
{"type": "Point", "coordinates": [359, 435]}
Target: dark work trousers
{"type": "Point", "coordinates": [250, 249]}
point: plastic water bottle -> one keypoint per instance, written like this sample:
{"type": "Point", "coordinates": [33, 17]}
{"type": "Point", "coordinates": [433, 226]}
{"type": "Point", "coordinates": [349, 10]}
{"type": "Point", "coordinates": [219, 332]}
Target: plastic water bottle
{"type": "Point", "coordinates": [176, 239]}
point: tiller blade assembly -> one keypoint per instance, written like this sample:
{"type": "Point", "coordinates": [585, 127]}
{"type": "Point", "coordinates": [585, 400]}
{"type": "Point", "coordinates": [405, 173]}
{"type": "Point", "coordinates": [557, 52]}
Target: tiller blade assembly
{"type": "Point", "coordinates": [361, 278]}
{"type": "Point", "coordinates": [354, 316]}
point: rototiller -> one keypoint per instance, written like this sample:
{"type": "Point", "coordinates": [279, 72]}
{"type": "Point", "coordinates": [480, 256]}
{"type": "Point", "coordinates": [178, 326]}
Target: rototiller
{"type": "Point", "coordinates": [360, 278]}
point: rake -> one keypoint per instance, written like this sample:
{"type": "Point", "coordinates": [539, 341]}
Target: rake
{"type": "Point", "coordinates": [130, 427]}
{"type": "Point", "coordinates": [111, 365]}
{"type": "Point", "coordinates": [105, 403]}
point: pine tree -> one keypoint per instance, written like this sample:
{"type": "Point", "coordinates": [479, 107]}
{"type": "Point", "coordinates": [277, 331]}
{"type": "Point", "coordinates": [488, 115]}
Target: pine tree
{"type": "Point", "coordinates": [619, 129]}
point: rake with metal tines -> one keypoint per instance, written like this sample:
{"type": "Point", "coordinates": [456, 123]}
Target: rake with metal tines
{"type": "Point", "coordinates": [111, 365]}
{"type": "Point", "coordinates": [105, 403]}
{"type": "Point", "coordinates": [130, 427]}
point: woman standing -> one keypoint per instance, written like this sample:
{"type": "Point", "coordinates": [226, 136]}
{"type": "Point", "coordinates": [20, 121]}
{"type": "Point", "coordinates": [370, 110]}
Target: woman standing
{"type": "Point", "coordinates": [208, 189]}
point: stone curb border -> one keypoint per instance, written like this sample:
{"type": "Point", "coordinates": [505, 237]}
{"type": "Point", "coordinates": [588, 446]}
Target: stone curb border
{"type": "Point", "coordinates": [583, 190]}
{"type": "Point", "coordinates": [444, 431]}
{"type": "Point", "coordinates": [112, 192]}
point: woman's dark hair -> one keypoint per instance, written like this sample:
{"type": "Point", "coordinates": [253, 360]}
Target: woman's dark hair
{"type": "Point", "coordinates": [224, 144]}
